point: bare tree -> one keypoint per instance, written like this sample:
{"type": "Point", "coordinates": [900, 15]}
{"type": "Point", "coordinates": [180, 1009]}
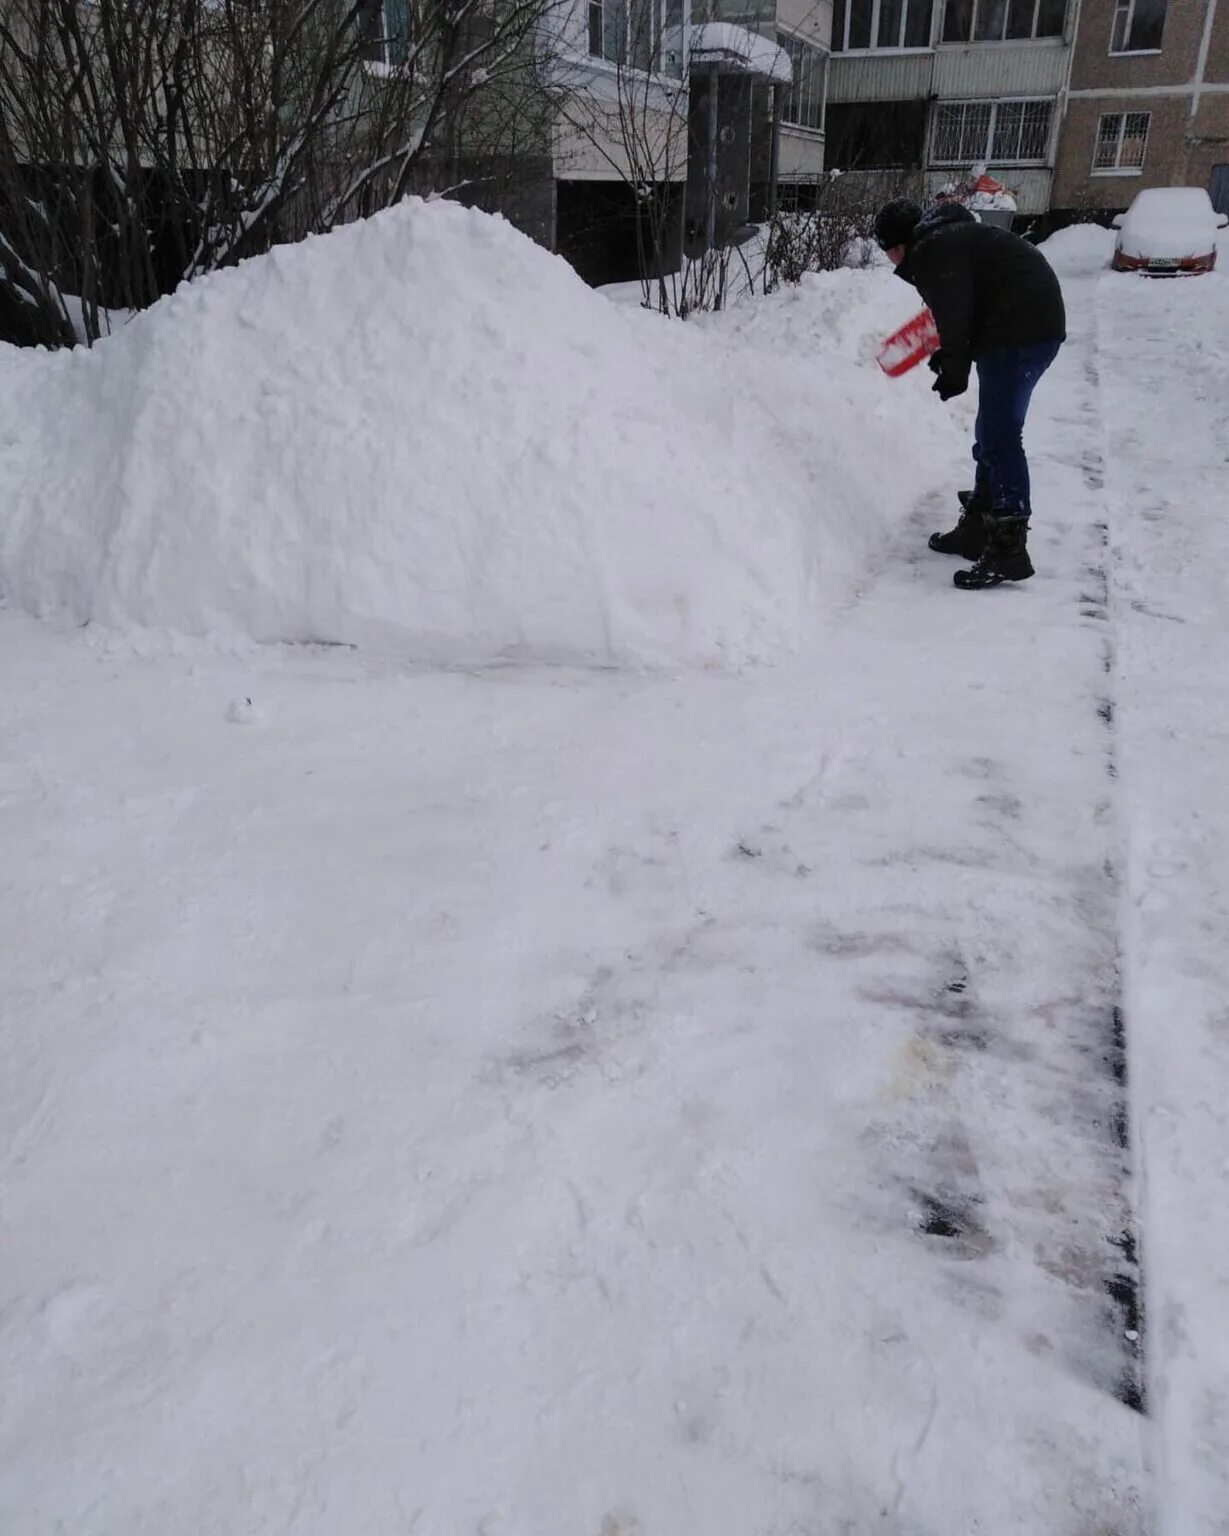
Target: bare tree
{"type": "Point", "coordinates": [626, 109]}
{"type": "Point", "coordinates": [142, 141]}
{"type": "Point", "coordinates": [660, 135]}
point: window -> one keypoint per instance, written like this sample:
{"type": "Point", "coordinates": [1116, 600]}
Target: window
{"type": "Point", "coordinates": [875, 135]}
{"type": "Point", "coordinates": [642, 34]}
{"type": "Point", "coordinates": [1005, 21]}
{"type": "Point", "coordinates": [1122, 138]}
{"type": "Point", "coordinates": [998, 132]}
{"type": "Point", "coordinates": [804, 101]}
{"type": "Point", "coordinates": [386, 28]}
{"type": "Point", "coordinates": [1138, 26]}
{"type": "Point", "coordinates": [671, 60]}
{"type": "Point", "coordinates": [858, 24]}
{"type": "Point", "coordinates": [962, 132]}
{"type": "Point", "coordinates": [1021, 131]}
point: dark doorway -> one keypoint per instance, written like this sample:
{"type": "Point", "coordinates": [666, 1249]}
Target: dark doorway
{"type": "Point", "coordinates": [608, 233]}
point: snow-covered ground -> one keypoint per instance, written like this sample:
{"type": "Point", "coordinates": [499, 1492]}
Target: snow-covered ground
{"type": "Point", "coordinates": [514, 1099]}
{"type": "Point", "coordinates": [1162, 372]}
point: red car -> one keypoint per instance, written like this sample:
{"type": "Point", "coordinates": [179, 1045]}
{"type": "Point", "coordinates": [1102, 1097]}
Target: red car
{"type": "Point", "coordinates": [1168, 231]}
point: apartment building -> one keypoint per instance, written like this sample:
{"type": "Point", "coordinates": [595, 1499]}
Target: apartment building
{"type": "Point", "coordinates": [1148, 103]}
{"type": "Point", "coordinates": [803, 28]}
{"type": "Point", "coordinates": [677, 118]}
{"type": "Point", "coordinates": [928, 88]}
{"type": "Point", "coordinates": [786, 102]}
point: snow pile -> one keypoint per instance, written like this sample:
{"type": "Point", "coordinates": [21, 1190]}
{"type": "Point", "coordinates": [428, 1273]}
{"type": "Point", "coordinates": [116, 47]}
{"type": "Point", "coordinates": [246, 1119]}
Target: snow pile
{"type": "Point", "coordinates": [836, 321]}
{"type": "Point", "coordinates": [425, 434]}
{"type": "Point", "coordinates": [1079, 248]}
{"type": "Point", "coordinates": [748, 278]}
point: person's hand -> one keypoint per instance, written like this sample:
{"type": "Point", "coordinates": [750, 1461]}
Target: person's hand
{"type": "Point", "coordinates": [947, 385]}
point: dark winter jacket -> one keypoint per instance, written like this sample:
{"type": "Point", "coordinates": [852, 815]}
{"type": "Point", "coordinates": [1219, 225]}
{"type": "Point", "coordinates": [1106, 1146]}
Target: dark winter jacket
{"type": "Point", "coordinates": [986, 287]}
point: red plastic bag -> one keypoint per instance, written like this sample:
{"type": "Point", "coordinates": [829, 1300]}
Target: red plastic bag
{"type": "Point", "coordinates": [912, 344]}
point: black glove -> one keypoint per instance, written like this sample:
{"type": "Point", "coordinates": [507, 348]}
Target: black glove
{"type": "Point", "coordinates": [949, 384]}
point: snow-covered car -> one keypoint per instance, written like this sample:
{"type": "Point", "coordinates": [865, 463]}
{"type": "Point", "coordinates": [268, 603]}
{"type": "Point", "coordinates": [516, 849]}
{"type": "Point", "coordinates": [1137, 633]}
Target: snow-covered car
{"type": "Point", "coordinates": [1167, 231]}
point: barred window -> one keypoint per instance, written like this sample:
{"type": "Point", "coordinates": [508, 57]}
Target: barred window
{"type": "Point", "coordinates": [961, 133]}
{"type": "Point", "coordinates": [1122, 141]}
{"type": "Point", "coordinates": [1021, 131]}
{"type": "Point", "coordinates": [999, 132]}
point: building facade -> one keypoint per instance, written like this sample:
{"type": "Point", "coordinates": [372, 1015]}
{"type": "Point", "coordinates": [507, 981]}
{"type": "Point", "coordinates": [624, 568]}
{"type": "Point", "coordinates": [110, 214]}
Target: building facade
{"type": "Point", "coordinates": [668, 115]}
{"type": "Point", "coordinates": [928, 88]}
{"type": "Point", "coordinates": [786, 149]}
{"type": "Point", "coordinates": [1148, 103]}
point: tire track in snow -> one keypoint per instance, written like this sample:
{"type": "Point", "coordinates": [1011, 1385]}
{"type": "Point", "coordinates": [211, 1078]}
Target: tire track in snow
{"type": "Point", "coordinates": [1125, 1286]}
{"type": "Point", "coordinates": [1166, 387]}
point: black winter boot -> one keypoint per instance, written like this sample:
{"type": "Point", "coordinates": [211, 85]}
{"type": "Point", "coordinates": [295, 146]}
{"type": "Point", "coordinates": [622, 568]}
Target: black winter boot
{"type": "Point", "coordinates": [968, 538]}
{"type": "Point", "coordinates": [1005, 558]}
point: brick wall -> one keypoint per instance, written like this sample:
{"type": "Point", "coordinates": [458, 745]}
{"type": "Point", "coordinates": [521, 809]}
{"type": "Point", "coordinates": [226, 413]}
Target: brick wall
{"type": "Point", "coordinates": [1075, 185]}
{"type": "Point", "coordinates": [1095, 68]}
{"type": "Point", "coordinates": [1218, 54]}
{"type": "Point", "coordinates": [1209, 139]}
{"type": "Point", "coordinates": [1182, 149]}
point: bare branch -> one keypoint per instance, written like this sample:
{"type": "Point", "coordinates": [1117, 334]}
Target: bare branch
{"type": "Point", "coordinates": [170, 137]}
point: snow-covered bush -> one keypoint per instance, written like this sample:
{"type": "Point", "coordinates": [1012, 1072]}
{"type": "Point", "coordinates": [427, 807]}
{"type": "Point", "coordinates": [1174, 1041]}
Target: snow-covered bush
{"type": "Point", "coordinates": [831, 225]}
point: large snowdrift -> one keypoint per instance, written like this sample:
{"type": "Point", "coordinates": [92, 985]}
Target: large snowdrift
{"type": "Point", "coordinates": [425, 434]}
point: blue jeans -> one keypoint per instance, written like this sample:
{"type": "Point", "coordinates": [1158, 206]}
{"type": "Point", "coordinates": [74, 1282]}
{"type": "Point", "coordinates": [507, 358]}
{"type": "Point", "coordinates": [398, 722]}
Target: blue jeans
{"type": "Point", "coordinates": [1006, 380]}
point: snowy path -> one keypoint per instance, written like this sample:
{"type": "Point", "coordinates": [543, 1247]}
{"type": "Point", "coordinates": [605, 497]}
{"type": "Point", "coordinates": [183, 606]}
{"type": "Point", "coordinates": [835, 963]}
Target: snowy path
{"type": "Point", "coordinates": [546, 1104]}
{"type": "Point", "coordinates": [1171, 601]}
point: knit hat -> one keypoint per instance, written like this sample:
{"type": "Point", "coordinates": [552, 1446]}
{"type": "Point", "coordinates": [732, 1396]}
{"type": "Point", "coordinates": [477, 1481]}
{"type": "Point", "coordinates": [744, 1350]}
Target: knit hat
{"type": "Point", "coordinates": [896, 222]}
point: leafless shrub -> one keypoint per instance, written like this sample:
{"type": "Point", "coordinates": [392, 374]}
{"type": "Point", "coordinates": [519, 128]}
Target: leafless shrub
{"type": "Point", "coordinates": [153, 140]}
{"type": "Point", "coordinates": [828, 222]}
